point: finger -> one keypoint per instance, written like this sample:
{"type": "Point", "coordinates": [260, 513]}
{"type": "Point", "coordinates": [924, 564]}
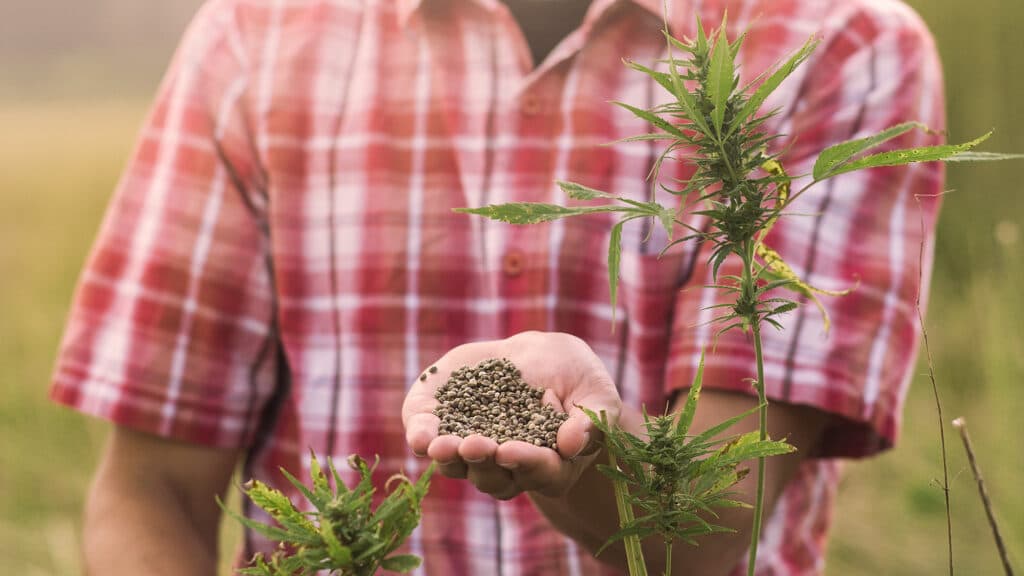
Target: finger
{"type": "Point", "coordinates": [577, 436]}
{"type": "Point", "coordinates": [493, 480]}
{"type": "Point", "coordinates": [478, 453]}
{"type": "Point", "coordinates": [551, 399]}
{"type": "Point", "coordinates": [418, 417]}
{"type": "Point", "coordinates": [420, 399]}
{"type": "Point", "coordinates": [535, 469]}
{"type": "Point", "coordinates": [421, 431]}
{"type": "Point", "coordinates": [456, 469]}
{"type": "Point", "coordinates": [475, 449]}
{"type": "Point", "coordinates": [445, 449]}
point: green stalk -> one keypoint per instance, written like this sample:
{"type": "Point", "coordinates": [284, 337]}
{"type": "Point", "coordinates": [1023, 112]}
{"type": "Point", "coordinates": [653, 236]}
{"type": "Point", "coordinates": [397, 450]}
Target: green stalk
{"type": "Point", "coordinates": [755, 535]}
{"type": "Point", "coordinates": [748, 287]}
{"type": "Point", "coordinates": [725, 158]}
{"type": "Point", "coordinates": [668, 557]}
{"type": "Point", "coordinates": [634, 553]}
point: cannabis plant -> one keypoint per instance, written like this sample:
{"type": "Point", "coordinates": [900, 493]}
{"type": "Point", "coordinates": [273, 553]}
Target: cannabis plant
{"type": "Point", "coordinates": [741, 186]}
{"type": "Point", "coordinates": [344, 535]}
{"type": "Point", "coordinates": [675, 480]}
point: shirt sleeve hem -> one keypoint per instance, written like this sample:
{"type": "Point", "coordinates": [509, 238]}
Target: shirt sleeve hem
{"type": "Point", "coordinates": [189, 424]}
{"type": "Point", "coordinates": [856, 428]}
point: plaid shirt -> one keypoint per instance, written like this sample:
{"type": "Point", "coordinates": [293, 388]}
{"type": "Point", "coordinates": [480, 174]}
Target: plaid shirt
{"type": "Point", "coordinates": [281, 259]}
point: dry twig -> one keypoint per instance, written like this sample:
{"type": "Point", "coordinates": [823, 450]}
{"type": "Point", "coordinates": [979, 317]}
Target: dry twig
{"type": "Point", "coordinates": [961, 425]}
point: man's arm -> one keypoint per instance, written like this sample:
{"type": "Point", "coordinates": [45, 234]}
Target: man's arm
{"type": "Point", "coordinates": [575, 514]}
{"type": "Point", "coordinates": [151, 509]}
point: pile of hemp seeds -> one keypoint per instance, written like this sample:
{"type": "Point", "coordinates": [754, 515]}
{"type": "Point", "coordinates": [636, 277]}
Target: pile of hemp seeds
{"type": "Point", "coordinates": [493, 400]}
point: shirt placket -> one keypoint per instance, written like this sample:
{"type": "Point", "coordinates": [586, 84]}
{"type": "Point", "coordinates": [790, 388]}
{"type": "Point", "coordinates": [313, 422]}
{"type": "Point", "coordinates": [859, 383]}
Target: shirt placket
{"type": "Point", "coordinates": [524, 261]}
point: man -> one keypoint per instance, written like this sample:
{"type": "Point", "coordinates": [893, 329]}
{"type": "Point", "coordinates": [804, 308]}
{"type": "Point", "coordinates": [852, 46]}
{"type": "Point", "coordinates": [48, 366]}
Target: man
{"type": "Point", "coordinates": [281, 262]}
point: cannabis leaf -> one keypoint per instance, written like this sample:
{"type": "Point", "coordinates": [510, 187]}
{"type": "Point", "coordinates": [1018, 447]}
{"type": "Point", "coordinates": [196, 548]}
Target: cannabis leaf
{"type": "Point", "coordinates": [720, 79]}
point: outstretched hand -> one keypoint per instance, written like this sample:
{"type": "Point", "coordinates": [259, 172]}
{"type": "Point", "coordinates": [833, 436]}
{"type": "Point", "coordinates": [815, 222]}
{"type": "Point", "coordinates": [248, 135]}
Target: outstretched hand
{"type": "Point", "coordinates": [572, 376]}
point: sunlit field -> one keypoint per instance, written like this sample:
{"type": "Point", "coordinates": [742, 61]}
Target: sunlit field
{"type": "Point", "coordinates": [59, 162]}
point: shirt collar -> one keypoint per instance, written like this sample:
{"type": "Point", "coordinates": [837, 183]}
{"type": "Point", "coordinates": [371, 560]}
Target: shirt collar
{"type": "Point", "coordinates": [406, 8]}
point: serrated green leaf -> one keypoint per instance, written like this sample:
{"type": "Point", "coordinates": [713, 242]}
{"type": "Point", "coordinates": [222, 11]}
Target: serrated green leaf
{"type": "Point", "coordinates": [982, 157]}
{"type": "Point", "coordinates": [645, 138]}
{"type": "Point", "coordinates": [667, 216]}
{"type": "Point", "coordinates": [662, 78]}
{"type": "Point", "coordinates": [690, 407]}
{"type": "Point", "coordinates": [833, 157]}
{"type": "Point", "coordinates": [756, 99]}
{"type": "Point", "coordinates": [339, 483]}
{"type": "Point", "coordinates": [737, 44]}
{"type": "Point", "coordinates": [340, 555]}
{"type": "Point", "coordinates": [267, 531]}
{"type": "Point", "coordinates": [748, 447]}
{"type": "Point", "coordinates": [374, 549]}
{"type": "Point", "coordinates": [652, 119]}
{"type": "Point", "coordinates": [787, 307]}
{"type": "Point", "coordinates": [320, 483]}
{"type": "Point", "coordinates": [683, 96]}
{"type": "Point", "coordinates": [313, 498]}
{"type": "Point", "coordinates": [720, 79]}
{"type": "Point", "coordinates": [401, 563]}
{"type": "Point", "coordinates": [534, 212]}
{"type": "Point", "coordinates": [281, 509]}
{"type": "Point", "coordinates": [709, 434]}
{"type": "Point", "coordinates": [614, 258]}
{"type": "Point", "coordinates": [701, 45]}
{"type": "Point", "coordinates": [717, 260]}
{"type": "Point", "coordinates": [909, 156]}
{"type": "Point", "coordinates": [581, 192]}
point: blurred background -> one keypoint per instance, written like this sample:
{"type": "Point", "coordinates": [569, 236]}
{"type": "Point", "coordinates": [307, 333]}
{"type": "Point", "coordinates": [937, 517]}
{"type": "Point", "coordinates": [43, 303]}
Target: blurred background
{"type": "Point", "coordinates": [75, 81]}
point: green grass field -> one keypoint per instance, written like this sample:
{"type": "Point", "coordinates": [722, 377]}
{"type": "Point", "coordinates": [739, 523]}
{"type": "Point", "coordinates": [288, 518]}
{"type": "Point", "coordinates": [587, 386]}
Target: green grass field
{"type": "Point", "coordinates": [60, 161]}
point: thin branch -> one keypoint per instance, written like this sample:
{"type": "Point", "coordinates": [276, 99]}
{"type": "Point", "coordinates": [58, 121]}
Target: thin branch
{"type": "Point", "coordinates": [931, 376]}
{"type": "Point", "coordinates": [961, 425]}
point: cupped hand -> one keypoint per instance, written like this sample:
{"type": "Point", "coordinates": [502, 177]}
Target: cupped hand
{"type": "Point", "coordinates": [572, 376]}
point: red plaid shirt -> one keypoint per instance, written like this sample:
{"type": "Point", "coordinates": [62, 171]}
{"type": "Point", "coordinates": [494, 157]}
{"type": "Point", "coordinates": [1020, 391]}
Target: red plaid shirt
{"type": "Point", "coordinates": [281, 259]}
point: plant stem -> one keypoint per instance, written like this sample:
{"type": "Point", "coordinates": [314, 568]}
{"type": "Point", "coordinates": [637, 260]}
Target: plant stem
{"type": "Point", "coordinates": [755, 534]}
{"type": "Point", "coordinates": [668, 557]}
{"type": "Point", "coordinates": [634, 553]}
{"type": "Point", "coordinates": [748, 286]}
{"type": "Point", "coordinates": [961, 425]}
{"type": "Point", "coordinates": [725, 158]}
{"type": "Point", "coordinates": [935, 386]}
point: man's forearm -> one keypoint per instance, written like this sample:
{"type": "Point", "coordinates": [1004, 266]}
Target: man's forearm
{"type": "Point", "coordinates": [151, 509]}
{"type": "Point", "coordinates": [135, 530]}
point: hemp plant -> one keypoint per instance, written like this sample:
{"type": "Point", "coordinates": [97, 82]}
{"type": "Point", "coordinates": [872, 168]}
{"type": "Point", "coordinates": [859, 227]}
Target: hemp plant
{"type": "Point", "coordinates": [741, 187]}
{"type": "Point", "coordinates": [345, 535]}
{"type": "Point", "coordinates": [676, 480]}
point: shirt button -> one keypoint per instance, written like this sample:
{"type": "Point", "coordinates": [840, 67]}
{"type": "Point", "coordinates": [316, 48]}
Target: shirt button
{"type": "Point", "coordinates": [530, 105]}
{"type": "Point", "coordinates": [512, 263]}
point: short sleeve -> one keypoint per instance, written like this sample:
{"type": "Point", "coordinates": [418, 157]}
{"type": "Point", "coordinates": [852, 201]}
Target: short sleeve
{"type": "Point", "coordinates": [171, 328]}
{"type": "Point", "coordinates": [877, 67]}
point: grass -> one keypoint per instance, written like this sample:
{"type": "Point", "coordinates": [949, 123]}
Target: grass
{"type": "Point", "coordinates": [59, 162]}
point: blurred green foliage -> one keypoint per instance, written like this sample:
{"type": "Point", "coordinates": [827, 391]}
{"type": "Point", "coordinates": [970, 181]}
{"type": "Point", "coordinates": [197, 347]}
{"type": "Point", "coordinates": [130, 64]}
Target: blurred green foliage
{"type": "Point", "coordinates": [59, 162]}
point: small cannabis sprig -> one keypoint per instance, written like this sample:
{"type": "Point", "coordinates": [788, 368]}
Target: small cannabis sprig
{"type": "Point", "coordinates": [676, 480]}
{"type": "Point", "coordinates": [344, 535]}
